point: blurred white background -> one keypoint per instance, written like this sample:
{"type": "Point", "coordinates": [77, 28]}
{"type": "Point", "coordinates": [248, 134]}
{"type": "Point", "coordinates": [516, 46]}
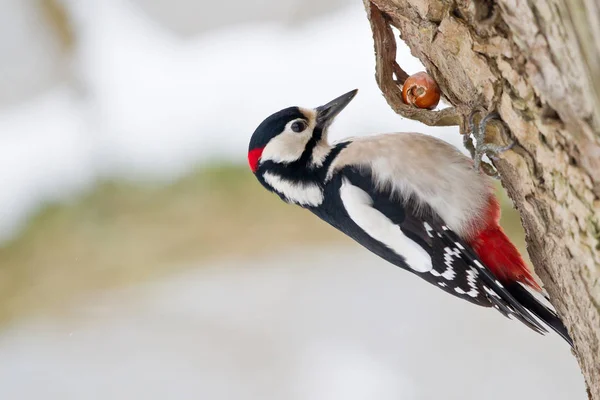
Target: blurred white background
{"type": "Point", "coordinates": [146, 97]}
{"type": "Point", "coordinates": [151, 90]}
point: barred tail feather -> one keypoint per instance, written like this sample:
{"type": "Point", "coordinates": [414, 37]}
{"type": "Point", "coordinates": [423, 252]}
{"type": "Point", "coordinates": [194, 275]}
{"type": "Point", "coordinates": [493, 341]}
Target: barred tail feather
{"type": "Point", "coordinates": [514, 299]}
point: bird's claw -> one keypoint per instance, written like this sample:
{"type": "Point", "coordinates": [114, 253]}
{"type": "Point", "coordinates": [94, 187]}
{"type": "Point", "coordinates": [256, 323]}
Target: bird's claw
{"type": "Point", "coordinates": [482, 148]}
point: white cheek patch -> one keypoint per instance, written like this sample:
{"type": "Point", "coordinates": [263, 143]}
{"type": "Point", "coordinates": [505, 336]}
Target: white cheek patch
{"type": "Point", "coordinates": [289, 146]}
{"type": "Point", "coordinates": [358, 205]}
{"type": "Point", "coordinates": [303, 194]}
{"type": "Point", "coordinates": [285, 148]}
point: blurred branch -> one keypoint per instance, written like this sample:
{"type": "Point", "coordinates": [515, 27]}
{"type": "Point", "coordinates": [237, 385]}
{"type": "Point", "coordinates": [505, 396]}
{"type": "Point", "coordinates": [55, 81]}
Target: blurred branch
{"type": "Point", "coordinates": [55, 12]}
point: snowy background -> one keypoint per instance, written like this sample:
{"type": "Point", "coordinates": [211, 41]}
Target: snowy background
{"type": "Point", "coordinates": [137, 99]}
{"type": "Point", "coordinates": [148, 91]}
{"type": "Point", "coordinates": [347, 328]}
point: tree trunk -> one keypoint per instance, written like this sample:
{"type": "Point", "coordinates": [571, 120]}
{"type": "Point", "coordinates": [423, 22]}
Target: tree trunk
{"type": "Point", "coordinates": [537, 63]}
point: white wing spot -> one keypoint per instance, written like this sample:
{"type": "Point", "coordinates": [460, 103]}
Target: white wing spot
{"type": "Point", "coordinates": [478, 264]}
{"type": "Point", "coordinates": [449, 273]}
{"type": "Point", "coordinates": [460, 246]}
{"type": "Point", "coordinates": [472, 281]}
{"type": "Point", "coordinates": [358, 205]}
{"type": "Point", "coordinates": [442, 284]}
{"type": "Point", "coordinates": [449, 255]}
{"type": "Point", "coordinates": [428, 228]}
{"type": "Point", "coordinates": [491, 292]}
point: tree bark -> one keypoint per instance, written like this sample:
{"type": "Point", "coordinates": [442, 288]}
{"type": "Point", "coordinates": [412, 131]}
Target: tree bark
{"type": "Point", "coordinates": [537, 63]}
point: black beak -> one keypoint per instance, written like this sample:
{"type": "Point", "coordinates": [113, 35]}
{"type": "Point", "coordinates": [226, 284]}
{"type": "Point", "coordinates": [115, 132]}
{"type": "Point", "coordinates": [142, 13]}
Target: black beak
{"type": "Point", "coordinates": [326, 113]}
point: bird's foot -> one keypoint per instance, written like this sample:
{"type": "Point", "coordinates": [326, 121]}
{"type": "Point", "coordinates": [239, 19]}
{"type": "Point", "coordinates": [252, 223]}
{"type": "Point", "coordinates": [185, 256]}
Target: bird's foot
{"type": "Point", "coordinates": [482, 148]}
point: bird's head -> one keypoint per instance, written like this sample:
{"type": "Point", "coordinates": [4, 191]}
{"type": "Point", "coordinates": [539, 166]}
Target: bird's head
{"type": "Point", "coordinates": [290, 135]}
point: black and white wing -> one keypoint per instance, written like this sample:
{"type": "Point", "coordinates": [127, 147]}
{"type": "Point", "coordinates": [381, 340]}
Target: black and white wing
{"type": "Point", "coordinates": [412, 236]}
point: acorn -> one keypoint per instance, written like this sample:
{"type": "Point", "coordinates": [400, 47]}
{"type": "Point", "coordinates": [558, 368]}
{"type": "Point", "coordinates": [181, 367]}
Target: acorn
{"type": "Point", "coordinates": [420, 90]}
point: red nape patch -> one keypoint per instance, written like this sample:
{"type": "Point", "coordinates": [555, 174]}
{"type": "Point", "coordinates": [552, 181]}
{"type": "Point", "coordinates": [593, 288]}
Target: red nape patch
{"type": "Point", "coordinates": [253, 157]}
{"type": "Point", "coordinates": [499, 254]}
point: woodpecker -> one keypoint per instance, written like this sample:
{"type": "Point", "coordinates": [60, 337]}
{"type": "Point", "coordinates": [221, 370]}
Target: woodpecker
{"type": "Point", "coordinates": [412, 199]}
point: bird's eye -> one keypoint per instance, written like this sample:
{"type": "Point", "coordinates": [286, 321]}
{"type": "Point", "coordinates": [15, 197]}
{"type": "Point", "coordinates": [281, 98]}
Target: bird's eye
{"type": "Point", "coordinates": [298, 126]}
